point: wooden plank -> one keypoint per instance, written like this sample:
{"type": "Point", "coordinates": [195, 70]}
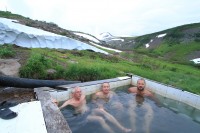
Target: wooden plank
{"type": "Point", "coordinates": [54, 120]}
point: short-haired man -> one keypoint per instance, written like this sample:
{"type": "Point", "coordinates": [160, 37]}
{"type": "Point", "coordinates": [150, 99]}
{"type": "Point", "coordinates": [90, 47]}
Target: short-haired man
{"type": "Point", "coordinates": [77, 101]}
{"type": "Point", "coordinates": [140, 92]}
{"type": "Point", "coordinates": [104, 93]}
{"type": "Point", "coordinates": [140, 89]}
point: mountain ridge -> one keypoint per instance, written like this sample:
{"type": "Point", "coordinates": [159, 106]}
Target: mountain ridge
{"type": "Point", "coordinates": [149, 44]}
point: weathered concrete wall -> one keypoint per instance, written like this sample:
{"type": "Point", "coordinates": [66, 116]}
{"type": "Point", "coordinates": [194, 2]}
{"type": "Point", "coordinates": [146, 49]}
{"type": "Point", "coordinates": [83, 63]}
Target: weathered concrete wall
{"type": "Point", "coordinates": [156, 87]}
{"type": "Point", "coordinates": [89, 87]}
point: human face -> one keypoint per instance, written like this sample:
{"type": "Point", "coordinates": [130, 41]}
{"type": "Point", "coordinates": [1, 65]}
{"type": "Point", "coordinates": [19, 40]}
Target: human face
{"type": "Point", "coordinates": [140, 85]}
{"type": "Point", "coordinates": [77, 93]}
{"type": "Point", "coordinates": [105, 88]}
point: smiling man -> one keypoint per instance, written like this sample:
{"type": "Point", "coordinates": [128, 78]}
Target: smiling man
{"type": "Point", "coordinates": [140, 89]}
{"type": "Point", "coordinates": [104, 93]}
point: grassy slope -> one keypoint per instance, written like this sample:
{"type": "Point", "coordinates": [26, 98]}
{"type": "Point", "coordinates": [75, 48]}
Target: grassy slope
{"type": "Point", "coordinates": [177, 45]}
{"type": "Point", "coordinates": [11, 15]}
{"type": "Point", "coordinates": [181, 76]}
{"type": "Point", "coordinates": [93, 66]}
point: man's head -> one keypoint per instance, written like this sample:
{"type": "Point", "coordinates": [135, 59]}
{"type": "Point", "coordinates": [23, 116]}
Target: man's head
{"type": "Point", "coordinates": [76, 92]}
{"type": "Point", "coordinates": [141, 84]}
{"type": "Point", "coordinates": [105, 88]}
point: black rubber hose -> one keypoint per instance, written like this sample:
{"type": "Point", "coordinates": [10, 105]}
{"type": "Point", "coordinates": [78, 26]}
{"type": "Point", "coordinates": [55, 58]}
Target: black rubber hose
{"type": "Point", "coordinates": [32, 83]}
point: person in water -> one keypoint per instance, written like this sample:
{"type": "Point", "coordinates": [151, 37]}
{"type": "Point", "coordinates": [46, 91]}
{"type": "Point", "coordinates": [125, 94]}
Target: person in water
{"type": "Point", "coordinates": [140, 92]}
{"type": "Point", "coordinates": [99, 115]}
{"type": "Point", "coordinates": [77, 101]}
{"type": "Point", "coordinates": [106, 94]}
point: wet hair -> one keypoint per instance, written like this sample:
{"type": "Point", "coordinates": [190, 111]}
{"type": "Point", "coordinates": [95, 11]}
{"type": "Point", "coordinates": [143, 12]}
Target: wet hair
{"type": "Point", "coordinates": [74, 89]}
{"type": "Point", "coordinates": [142, 80]}
{"type": "Point", "coordinates": [104, 83]}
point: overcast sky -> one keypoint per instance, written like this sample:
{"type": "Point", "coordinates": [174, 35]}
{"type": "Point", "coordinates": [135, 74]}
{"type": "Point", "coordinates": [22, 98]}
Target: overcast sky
{"type": "Point", "coordinates": [119, 17]}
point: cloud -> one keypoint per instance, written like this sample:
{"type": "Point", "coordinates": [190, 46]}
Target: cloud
{"type": "Point", "coordinates": [4, 5]}
{"type": "Point", "coordinates": [119, 17]}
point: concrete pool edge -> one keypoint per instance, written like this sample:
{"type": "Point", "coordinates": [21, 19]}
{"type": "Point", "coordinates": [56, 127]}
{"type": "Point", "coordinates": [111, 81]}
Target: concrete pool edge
{"type": "Point", "coordinates": [156, 87]}
{"type": "Point", "coordinates": [89, 87]}
{"type": "Point", "coordinates": [54, 119]}
{"type": "Point", "coordinates": [93, 86]}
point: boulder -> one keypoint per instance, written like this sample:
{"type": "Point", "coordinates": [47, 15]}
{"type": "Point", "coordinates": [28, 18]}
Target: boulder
{"type": "Point", "coordinates": [9, 67]}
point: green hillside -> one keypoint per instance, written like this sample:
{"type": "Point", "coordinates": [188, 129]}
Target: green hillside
{"type": "Point", "coordinates": [179, 44]}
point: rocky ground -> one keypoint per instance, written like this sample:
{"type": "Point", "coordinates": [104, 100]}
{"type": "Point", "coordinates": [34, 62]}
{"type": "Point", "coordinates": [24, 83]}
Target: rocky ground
{"type": "Point", "coordinates": [10, 66]}
{"type": "Point", "coordinates": [16, 95]}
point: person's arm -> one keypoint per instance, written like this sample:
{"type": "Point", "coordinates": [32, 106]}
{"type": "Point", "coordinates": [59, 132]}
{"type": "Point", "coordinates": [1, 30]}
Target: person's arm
{"type": "Point", "coordinates": [132, 90]}
{"type": "Point", "coordinates": [94, 97]}
{"type": "Point", "coordinates": [65, 104]}
{"type": "Point", "coordinates": [153, 97]}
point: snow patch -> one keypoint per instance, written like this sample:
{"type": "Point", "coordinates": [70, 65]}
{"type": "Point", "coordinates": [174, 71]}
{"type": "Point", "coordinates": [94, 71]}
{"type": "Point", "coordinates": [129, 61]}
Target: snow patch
{"type": "Point", "coordinates": [161, 35]}
{"type": "Point", "coordinates": [104, 36]}
{"type": "Point", "coordinates": [106, 48]}
{"type": "Point", "coordinates": [196, 61]}
{"type": "Point", "coordinates": [147, 45]}
{"type": "Point", "coordinates": [115, 39]}
{"type": "Point", "coordinates": [24, 36]}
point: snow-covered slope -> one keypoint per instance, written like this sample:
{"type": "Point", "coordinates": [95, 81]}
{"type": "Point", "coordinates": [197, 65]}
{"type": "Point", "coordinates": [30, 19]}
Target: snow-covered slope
{"type": "Point", "coordinates": [97, 41]}
{"type": "Point", "coordinates": [87, 36]}
{"type": "Point", "coordinates": [14, 33]}
{"type": "Point", "coordinates": [106, 36]}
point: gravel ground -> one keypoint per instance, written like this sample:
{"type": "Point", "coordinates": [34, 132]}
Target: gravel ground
{"type": "Point", "coordinates": [16, 95]}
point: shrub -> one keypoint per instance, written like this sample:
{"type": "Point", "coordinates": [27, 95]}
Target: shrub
{"type": "Point", "coordinates": [35, 67]}
{"type": "Point", "coordinates": [173, 69]}
{"type": "Point", "coordinates": [77, 53]}
{"type": "Point", "coordinates": [81, 73]}
{"type": "Point", "coordinates": [6, 51]}
{"type": "Point", "coordinates": [109, 58]}
{"type": "Point", "coordinates": [76, 72]}
{"type": "Point", "coordinates": [60, 72]}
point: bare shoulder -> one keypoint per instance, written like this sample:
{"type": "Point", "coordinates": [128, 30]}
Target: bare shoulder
{"type": "Point", "coordinates": [96, 95]}
{"type": "Point", "coordinates": [69, 101]}
{"type": "Point", "coordinates": [133, 89]}
{"type": "Point", "coordinates": [83, 96]}
{"type": "Point", "coordinates": [99, 93]}
{"type": "Point", "coordinates": [148, 93]}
